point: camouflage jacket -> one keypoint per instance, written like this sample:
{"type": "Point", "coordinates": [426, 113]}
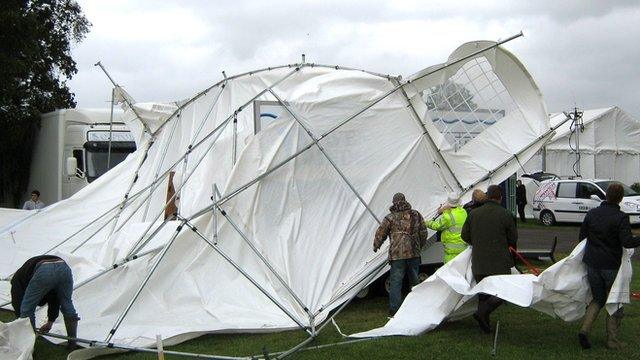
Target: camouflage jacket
{"type": "Point", "coordinates": [406, 229]}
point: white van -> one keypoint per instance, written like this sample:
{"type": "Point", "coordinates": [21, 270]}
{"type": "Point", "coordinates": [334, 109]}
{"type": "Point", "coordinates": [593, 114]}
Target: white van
{"type": "Point", "coordinates": [569, 200]}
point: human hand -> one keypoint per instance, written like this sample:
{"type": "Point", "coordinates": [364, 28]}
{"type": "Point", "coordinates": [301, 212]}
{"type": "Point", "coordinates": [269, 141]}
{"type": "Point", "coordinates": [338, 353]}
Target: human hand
{"type": "Point", "coordinates": [443, 207]}
{"type": "Point", "coordinates": [46, 327]}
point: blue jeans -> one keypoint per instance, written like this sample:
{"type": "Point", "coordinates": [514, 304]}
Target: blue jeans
{"type": "Point", "coordinates": [600, 282]}
{"type": "Point", "coordinates": [399, 268]}
{"type": "Point", "coordinates": [47, 277]}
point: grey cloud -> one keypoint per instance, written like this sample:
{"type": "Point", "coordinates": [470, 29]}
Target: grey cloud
{"type": "Point", "coordinates": [573, 50]}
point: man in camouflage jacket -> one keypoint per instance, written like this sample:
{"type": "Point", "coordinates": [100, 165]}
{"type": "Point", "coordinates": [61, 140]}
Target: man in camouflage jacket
{"type": "Point", "coordinates": [408, 233]}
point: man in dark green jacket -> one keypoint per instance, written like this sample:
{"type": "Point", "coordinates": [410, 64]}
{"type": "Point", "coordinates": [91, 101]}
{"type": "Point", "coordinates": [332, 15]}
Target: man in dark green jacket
{"type": "Point", "coordinates": [490, 230]}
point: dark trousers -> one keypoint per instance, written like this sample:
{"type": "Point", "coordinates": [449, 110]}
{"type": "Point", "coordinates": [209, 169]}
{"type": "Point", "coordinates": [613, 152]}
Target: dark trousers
{"type": "Point", "coordinates": [600, 282]}
{"type": "Point", "coordinates": [521, 212]}
{"type": "Point", "coordinates": [399, 268]}
{"type": "Point", "coordinates": [46, 277]}
{"type": "Point", "coordinates": [486, 303]}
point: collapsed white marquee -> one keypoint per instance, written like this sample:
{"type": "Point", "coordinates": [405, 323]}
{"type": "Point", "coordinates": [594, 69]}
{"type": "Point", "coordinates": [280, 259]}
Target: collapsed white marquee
{"type": "Point", "coordinates": [283, 175]}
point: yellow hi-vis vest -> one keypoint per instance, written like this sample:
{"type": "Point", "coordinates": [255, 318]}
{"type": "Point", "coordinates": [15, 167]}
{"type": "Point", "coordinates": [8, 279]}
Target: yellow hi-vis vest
{"type": "Point", "coordinates": [450, 224]}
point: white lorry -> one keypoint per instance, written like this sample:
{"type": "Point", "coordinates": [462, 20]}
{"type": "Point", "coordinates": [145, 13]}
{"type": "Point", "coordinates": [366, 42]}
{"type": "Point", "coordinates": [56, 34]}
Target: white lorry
{"type": "Point", "coordinates": [72, 149]}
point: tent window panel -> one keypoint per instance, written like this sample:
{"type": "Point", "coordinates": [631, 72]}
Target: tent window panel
{"type": "Point", "coordinates": [469, 102]}
{"type": "Point", "coordinates": [265, 113]}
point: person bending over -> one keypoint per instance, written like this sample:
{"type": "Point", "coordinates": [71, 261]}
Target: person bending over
{"type": "Point", "coordinates": [45, 279]}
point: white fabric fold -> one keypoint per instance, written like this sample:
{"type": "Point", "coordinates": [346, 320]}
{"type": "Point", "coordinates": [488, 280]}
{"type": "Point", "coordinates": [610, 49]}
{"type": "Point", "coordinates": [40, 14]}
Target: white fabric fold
{"type": "Point", "coordinates": [560, 291]}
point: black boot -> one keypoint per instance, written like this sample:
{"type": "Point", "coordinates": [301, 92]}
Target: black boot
{"type": "Point", "coordinates": [493, 303]}
{"type": "Point", "coordinates": [71, 324]}
{"type": "Point", "coordinates": [482, 317]}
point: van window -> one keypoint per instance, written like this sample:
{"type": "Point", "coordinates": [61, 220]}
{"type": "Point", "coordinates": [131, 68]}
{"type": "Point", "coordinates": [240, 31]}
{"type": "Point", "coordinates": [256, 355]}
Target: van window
{"type": "Point", "coordinates": [585, 190]}
{"type": "Point", "coordinates": [627, 190]}
{"type": "Point", "coordinates": [567, 190]}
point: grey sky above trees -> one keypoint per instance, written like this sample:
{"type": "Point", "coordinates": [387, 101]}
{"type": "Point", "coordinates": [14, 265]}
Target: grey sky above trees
{"type": "Point", "coordinates": [579, 52]}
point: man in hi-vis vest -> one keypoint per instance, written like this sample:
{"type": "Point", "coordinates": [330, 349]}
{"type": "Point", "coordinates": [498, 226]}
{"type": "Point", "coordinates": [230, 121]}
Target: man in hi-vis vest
{"type": "Point", "coordinates": [449, 223]}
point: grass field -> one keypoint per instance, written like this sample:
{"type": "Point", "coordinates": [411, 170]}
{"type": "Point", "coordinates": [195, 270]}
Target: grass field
{"type": "Point", "coordinates": [524, 334]}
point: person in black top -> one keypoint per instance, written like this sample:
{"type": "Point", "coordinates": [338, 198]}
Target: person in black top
{"type": "Point", "coordinates": [478, 197]}
{"type": "Point", "coordinates": [521, 199]}
{"type": "Point", "coordinates": [607, 230]}
{"type": "Point", "coordinates": [45, 279]}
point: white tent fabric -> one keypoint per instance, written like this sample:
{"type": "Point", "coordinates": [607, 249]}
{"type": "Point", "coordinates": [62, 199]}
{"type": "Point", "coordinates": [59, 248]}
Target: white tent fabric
{"type": "Point", "coordinates": [8, 217]}
{"type": "Point", "coordinates": [560, 291]}
{"type": "Point", "coordinates": [17, 340]}
{"type": "Point", "coordinates": [306, 158]}
{"type": "Point", "coordinates": [609, 149]}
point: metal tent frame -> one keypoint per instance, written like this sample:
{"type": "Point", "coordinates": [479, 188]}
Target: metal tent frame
{"type": "Point", "coordinates": [137, 200]}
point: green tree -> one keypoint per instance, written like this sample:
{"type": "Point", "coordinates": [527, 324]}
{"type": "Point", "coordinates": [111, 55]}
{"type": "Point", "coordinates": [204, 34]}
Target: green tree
{"type": "Point", "coordinates": [35, 64]}
{"type": "Point", "coordinates": [449, 96]}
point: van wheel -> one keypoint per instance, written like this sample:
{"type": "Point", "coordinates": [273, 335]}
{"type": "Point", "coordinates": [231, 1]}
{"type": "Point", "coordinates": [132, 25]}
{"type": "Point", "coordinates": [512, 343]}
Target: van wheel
{"type": "Point", "coordinates": [547, 218]}
{"type": "Point", "coordinates": [422, 276]}
{"type": "Point", "coordinates": [364, 293]}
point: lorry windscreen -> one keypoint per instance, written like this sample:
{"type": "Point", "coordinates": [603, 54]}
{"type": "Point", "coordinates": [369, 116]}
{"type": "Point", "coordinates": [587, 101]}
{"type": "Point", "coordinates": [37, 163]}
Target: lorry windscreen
{"type": "Point", "coordinates": [97, 156]}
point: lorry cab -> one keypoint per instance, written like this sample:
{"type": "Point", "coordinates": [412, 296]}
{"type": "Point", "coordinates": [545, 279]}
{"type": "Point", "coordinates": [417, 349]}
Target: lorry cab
{"type": "Point", "coordinates": [74, 147]}
{"type": "Point", "coordinates": [569, 200]}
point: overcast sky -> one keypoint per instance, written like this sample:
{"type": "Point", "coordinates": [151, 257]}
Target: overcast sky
{"type": "Point", "coordinates": [579, 52]}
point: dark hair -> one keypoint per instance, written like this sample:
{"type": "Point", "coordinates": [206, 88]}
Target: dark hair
{"type": "Point", "coordinates": [36, 192]}
{"type": "Point", "coordinates": [615, 192]}
{"type": "Point", "coordinates": [494, 192]}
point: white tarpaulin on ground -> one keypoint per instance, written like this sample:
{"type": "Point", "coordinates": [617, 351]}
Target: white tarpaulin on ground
{"type": "Point", "coordinates": [306, 158]}
{"type": "Point", "coordinates": [561, 291]}
{"type": "Point", "coordinates": [17, 340]}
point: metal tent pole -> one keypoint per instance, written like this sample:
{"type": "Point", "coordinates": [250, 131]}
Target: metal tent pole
{"type": "Point", "coordinates": [346, 68]}
{"type": "Point", "coordinates": [113, 267]}
{"type": "Point", "coordinates": [144, 283]}
{"type": "Point", "coordinates": [339, 125]}
{"type": "Point", "coordinates": [123, 204]}
{"type": "Point", "coordinates": [81, 230]}
{"type": "Point", "coordinates": [428, 136]}
{"type": "Point", "coordinates": [514, 156]}
{"type": "Point", "coordinates": [326, 155]}
{"type": "Point", "coordinates": [221, 128]}
{"type": "Point", "coordinates": [110, 129]}
{"type": "Point", "coordinates": [329, 319]}
{"type": "Point", "coordinates": [265, 261]}
{"type": "Point", "coordinates": [124, 98]}
{"type": "Point", "coordinates": [197, 132]}
{"type": "Point", "coordinates": [223, 81]}
{"type": "Point", "coordinates": [364, 279]}
{"type": "Point", "coordinates": [234, 148]}
{"type": "Point", "coordinates": [246, 275]}
{"type": "Point", "coordinates": [159, 168]}
{"type": "Point", "coordinates": [109, 345]}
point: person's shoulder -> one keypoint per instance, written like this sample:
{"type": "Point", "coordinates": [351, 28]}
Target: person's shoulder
{"type": "Point", "coordinates": [390, 217]}
{"type": "Point", "coordinates": [416, 212]}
